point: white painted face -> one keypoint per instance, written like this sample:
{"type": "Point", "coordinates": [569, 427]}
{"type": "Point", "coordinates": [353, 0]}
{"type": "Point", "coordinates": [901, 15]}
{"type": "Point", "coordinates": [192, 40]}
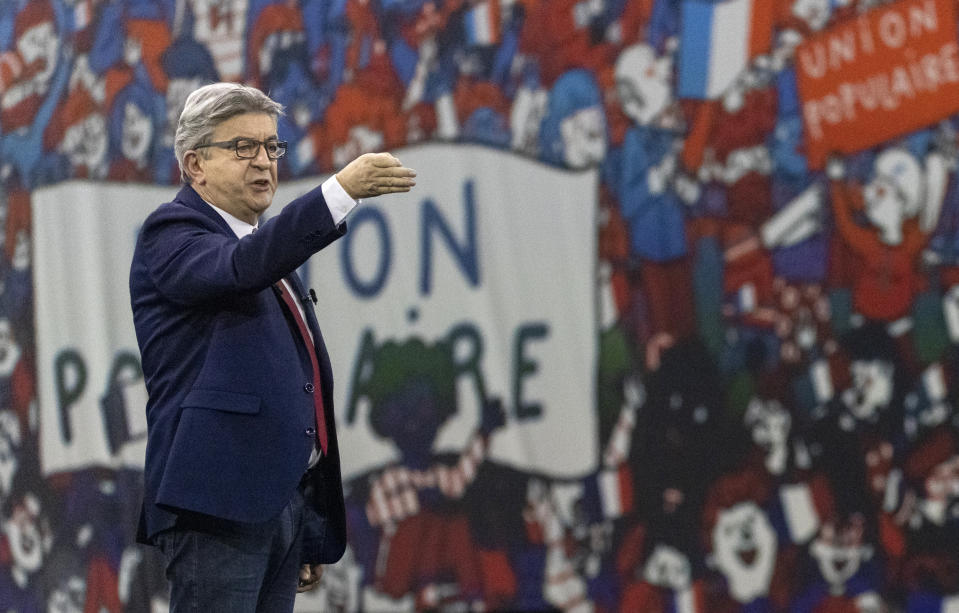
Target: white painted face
{"type": "Point", "coordinates": [137, 133]}
{"type": "Point", "coordinates": [894, 193]}
{"type": "Point", "coordinates": [584, 137]}
{"type": "Point", "coordinates": [744, 550]}
{"type": "Point", "coordinates": [839, 553]}
{"type": "Point", "coordinates": [39, 46]}
{"type": "Point", "coordinates": [815, 13]}
{"type": "Point", "coordinates": [885, 206]}
{"type": "Point", "coordinates": [768, 421]}
{"type": "Point", "coordinates": [25, 534]}
{"type": "Point", "coordinates": [769, 424]}
{"type": "Point", "coordinates": [668, 567]}
{"type": "Point", "coordinates": [643, 83]}
{"type": "Point", "coordinates": [871, 390]}
{"type": "Point", "coordinates": [69, 596]}
{"type": "Point", "coordinates": [85, 142]}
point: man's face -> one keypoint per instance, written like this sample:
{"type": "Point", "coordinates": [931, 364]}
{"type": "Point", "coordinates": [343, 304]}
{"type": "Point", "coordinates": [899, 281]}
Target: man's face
{"type": "Point", "coordinates": [243, 188]}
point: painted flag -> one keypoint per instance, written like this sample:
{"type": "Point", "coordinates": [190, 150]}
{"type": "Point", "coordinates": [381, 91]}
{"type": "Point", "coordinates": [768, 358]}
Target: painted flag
{"type": "Point", "coordinates": [800, 511]}
{"type": "Point", "coordinates": [689, 600]}
{"type": "Point", "coordinates": [717, 41]}
{"type": "Point", "coordinates": [608, 493]}
{"type": "Point", "coordinates": [482, 24]}
{"type": "Point", "coordinates": [616, 491]}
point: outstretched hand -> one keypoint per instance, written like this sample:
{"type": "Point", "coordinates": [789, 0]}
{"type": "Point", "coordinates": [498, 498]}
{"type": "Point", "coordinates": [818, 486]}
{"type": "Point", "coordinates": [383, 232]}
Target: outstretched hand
{"type": "Point", "coordinates": [375, 174]}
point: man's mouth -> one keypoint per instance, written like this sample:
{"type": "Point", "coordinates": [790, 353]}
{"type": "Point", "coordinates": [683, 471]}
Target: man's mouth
{"type": "Point", "coordinates": [261, 184]}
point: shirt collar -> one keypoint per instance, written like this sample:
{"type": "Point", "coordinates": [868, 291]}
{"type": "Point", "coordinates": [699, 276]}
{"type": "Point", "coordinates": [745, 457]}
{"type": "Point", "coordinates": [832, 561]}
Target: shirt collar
{"type": "Point", "coordinates": [239, 227]}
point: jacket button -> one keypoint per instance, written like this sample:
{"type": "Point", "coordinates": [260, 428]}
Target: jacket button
{"type": "Point", "coordinates": [310, 431]}
{"type": "Point", "coordinates": [308, 388]}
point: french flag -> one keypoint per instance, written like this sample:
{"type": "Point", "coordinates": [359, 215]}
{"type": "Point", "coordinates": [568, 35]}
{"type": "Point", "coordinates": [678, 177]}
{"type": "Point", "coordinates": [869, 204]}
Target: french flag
{"type": "Point", "coordinates": [690, 600]}
{"type": "Point", "coordinates": [717, 41]}
{"type": "Point", "coordinates": [482, 24]}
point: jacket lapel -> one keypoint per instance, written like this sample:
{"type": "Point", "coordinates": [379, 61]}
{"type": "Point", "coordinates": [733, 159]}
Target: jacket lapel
{"type": "Point", "coordinates": [188, 197]}
{"type": "Point", "coordinates": [298, 294]}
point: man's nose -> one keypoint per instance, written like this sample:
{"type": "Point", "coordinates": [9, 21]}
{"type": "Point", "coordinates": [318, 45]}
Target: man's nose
{"type": "Point", "coordinates": [261, 159]}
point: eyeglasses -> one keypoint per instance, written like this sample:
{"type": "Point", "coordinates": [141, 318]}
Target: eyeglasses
{"type": "Point", "coordinates": [249, 148]}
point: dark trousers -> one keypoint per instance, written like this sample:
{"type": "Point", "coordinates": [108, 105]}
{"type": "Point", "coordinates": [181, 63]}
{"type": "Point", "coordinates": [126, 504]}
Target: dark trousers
{"type": "Point", "coordinates": [215, 565]}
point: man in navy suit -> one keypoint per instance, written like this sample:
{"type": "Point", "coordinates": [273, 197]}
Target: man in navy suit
{"type": "Point", "coordinates": [243, 493]}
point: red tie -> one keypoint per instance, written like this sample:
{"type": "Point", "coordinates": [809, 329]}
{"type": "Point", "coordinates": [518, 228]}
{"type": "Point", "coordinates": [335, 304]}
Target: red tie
{"type": "Point", "coordinates": [310, 349]}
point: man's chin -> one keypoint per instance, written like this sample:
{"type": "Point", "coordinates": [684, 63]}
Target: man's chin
{"type": "Point", "coordinates": [261, 202]}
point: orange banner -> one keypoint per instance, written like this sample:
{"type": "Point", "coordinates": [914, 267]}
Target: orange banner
{"type": "Point", "coordinates": [889, 72]}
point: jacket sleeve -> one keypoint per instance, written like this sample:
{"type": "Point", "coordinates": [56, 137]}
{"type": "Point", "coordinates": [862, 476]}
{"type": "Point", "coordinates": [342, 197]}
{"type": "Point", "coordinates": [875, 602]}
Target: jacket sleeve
{"type": "Point", "coordinates": [191, 260]}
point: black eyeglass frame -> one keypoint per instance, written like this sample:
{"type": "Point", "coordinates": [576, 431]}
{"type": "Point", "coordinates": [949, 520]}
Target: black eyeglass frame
{"type": "Point", "coordinates": [235, 145]}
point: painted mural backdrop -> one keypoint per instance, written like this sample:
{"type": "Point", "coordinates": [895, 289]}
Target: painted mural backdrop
{"type": "Point", "coordinates": [773, 272]}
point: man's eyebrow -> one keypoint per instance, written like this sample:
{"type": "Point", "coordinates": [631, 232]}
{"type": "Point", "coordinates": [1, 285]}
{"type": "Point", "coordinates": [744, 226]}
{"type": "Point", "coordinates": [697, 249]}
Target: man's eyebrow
{"type": "Point", "coordinates": [268, 138]}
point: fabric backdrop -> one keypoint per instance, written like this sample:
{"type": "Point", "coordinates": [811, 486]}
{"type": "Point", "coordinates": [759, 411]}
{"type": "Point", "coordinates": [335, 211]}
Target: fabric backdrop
{"type": "Point", "coordinates": [669, 323]}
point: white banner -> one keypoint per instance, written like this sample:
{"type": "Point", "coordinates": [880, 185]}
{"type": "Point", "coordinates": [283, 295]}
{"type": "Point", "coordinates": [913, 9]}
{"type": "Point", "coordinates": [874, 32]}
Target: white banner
{"type": "Point", "coordinates": [490, 252]}
{"type": "Point", "coordinates": [487, 246]}
{"type": "Point", "coordinates": [90, 389]}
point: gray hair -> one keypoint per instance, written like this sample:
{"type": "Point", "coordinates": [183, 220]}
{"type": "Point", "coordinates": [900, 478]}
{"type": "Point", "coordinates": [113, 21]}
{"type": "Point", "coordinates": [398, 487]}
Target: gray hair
{"type": "Point", "coordinates": [210, 105]}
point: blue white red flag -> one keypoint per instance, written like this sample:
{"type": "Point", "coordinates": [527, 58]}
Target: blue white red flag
{"type": "Point", "coordinates": [717, 41]}
{"type": "Point", "coordinates": [481, 24]}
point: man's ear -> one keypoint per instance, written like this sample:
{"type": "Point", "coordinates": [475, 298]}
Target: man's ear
{"type": "Point", "coordinates": [193, 164]}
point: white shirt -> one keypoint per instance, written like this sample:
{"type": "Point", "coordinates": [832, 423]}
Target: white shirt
{"type": "Point", "coordinates": [340, 204]}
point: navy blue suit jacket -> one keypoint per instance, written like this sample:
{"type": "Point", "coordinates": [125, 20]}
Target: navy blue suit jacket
{"type": "Point", "coordinates": [230, 422]}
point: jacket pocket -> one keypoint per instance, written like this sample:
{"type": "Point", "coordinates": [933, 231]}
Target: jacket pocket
{"type": "Point", "coordinates": [232, 402]}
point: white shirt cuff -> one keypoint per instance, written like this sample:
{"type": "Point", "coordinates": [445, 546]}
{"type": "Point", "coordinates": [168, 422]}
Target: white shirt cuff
{"type": "Point", "coordinates": [338, 201]}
